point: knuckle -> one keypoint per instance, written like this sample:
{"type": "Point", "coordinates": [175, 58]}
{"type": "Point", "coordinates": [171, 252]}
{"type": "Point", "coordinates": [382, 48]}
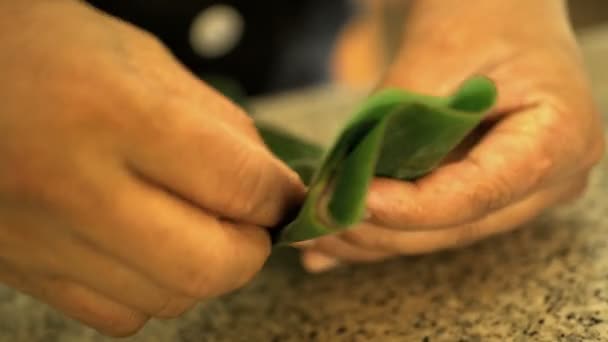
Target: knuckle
{"type": "Point", "coordinates": [380, 215]}
{"type": "Point", "coordinates": [553, 123]}
{"type": "Point", "coordinates": [197, 284]}
{"type": "Point", "coordinates": [486, 197]}
{"type": "Point", "coordinates": [251, 181]}
{"type": "Point", "coordinates": [173, 307]}
{"type": "Point", "coordinates": [541, 139]}
{"type": "Point", "coordinates": [227, 266]}
{"type": "Point", "coordinates": [541, 160]}
{"type": "Point", "coordinates": [539, 169]}
{"type": "Point", "coordinates": [483, 196]}
{"type": "Point", "coordinates": [203, 287]}
{"type": "Point", "coordinates": [121, 325]}
{"type": "Point", "coordinates": [108, 318]}
{"type": "Point", "coordinates": [580, 141]}
{"type": "Point", "coordinates": [203, 282]}
{"type": "Point", "coordinates": [114, 322]}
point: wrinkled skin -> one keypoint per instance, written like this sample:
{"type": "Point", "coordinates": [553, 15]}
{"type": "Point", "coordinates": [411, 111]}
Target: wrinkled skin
{"type": "Point", "coordinates": [535, 150]}
{"type": "Point", "coordinates": [128, 189]}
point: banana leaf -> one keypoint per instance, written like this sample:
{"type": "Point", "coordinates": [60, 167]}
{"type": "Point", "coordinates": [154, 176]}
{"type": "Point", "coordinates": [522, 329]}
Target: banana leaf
{"type": "Point", "coordinates": [300, 155]}
{"type": "Point", "coordinates": [396, 134]}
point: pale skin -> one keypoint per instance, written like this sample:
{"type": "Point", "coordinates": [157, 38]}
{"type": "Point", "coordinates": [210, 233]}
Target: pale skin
{"type": "Point", "coordinates": [131, 190]}
{"type": "Point", "coordinates": [536, 151]}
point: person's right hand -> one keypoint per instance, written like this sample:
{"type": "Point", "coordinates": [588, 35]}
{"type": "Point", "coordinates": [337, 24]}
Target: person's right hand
{"type": "Point", "coordinates": [128, 189]}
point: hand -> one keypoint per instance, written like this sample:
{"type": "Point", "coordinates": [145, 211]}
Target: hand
{"type": "Point", "coordinates": [128, 189]}
{"type": "Point", "coordinates": [534, 151]}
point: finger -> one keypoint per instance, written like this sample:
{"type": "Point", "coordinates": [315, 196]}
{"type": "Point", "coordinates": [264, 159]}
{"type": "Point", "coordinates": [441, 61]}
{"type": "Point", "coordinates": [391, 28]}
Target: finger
{"type": "Point", "coordinates": [118, 282]}
{"type": "Point", "coordinates": [177, 245]}
{"type": "Point", "coordinates": [518, 156]}
{"type": "Point", "coordinates": [210, 163]}
{"type": "Point", "coordinates": [419, 242]}
{"type": "Point", "coordinates": [334, 246]}
{"type": "Point", "coordinates": [329, 252]}
{"type": "Point", "coordinates": [317, 262]}
{"type": "Point", "coordinates": [79, 303]}
{"type": "Point", "coordinates": [55, 254]}
{"type": "Point", "coordinates": [370, 243]}
{"type": "Point", "coordinates": [92, 308]}
{"type": "Point", "coordinates": [334, 251]}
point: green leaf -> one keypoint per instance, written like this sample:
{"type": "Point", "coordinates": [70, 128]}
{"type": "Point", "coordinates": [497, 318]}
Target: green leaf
{"type": "Point", "coordinates": [302, 156]}
{"type": "Point", "coordinates": [396, 134]}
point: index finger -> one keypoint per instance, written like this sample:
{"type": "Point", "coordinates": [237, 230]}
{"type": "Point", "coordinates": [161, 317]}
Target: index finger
{"type": "Point", "coordinates": [519, 155]}
{"type": "Point", "coordinates": [171, 242]}
{"type": "Point", "coordinates": [215, 166]}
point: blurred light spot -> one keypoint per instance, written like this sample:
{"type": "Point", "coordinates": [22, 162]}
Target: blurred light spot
{"type": "Point", "coordinates": [216, 31]}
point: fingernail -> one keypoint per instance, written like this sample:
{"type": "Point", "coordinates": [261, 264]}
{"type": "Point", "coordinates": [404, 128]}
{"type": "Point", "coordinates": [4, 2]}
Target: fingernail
{"type": "Point", "coordinates": [315, 262]}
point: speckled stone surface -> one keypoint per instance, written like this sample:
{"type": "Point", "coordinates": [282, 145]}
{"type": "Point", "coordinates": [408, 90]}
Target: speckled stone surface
{"type": "Point", "coordinates": [546, 282]}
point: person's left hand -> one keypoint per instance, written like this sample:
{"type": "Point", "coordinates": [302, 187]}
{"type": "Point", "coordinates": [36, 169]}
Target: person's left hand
{"type": "Point", "coordinates": [535, 149]}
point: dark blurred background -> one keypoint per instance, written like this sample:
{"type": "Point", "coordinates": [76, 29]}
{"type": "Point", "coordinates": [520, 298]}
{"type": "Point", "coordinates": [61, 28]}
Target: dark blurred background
{"type": "Point", "coordinates": [587, 13]}
{"type": "Point", "coordinates": [264, 46]}
{"type": "Point", "coordinates": [283, 44]}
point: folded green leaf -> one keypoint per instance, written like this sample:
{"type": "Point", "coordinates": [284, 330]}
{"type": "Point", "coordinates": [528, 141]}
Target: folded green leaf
{"type": "Point", "coordinates": [396, 134]}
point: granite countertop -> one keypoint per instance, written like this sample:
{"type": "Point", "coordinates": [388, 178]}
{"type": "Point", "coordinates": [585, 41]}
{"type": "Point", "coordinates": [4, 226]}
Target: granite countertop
{"type": "Point", "coordinates": [546, 282]}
